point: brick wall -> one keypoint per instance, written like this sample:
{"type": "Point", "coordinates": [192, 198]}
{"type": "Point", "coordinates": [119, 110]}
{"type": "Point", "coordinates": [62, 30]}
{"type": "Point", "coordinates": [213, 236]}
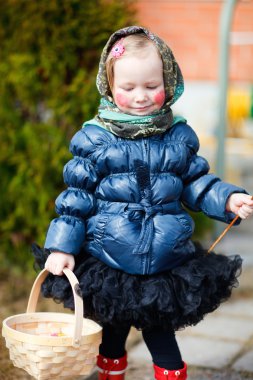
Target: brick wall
{"type": "Point", "coordinates": [191, 29]}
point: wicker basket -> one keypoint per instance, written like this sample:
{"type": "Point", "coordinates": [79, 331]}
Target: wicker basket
{"type": "Point", "coordinates": [52, 345]}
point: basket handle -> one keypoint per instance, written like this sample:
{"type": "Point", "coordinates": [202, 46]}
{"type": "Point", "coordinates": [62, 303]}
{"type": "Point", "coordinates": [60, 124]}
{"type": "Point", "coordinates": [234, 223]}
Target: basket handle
{"type": "Point", "coordinates": [35, 292]}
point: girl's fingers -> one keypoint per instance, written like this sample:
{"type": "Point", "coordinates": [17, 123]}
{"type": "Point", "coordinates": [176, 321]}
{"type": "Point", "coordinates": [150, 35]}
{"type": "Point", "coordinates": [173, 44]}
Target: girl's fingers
{"type": "Point", "coordinates": [248, 200]}
{"type": "Point", "coordinates": [53, 267]}
{"type": "Point", "coordinates": [245, 211]}
{"type": "Point", "coordinates": [58, 270]}
{"type": "Point", "coordinates": [241, 214]}
{"type": "Point", "coordinates": [71, 266]}
{"type": "Point", "coordinates": [247, 208]}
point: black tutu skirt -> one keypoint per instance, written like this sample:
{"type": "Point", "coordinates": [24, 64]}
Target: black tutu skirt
{"type": "Point", "coordinates": [172, 299]}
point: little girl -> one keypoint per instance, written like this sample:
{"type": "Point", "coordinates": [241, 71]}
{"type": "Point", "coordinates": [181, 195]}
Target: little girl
{"type": "Point", "coordinates": [123, 226]}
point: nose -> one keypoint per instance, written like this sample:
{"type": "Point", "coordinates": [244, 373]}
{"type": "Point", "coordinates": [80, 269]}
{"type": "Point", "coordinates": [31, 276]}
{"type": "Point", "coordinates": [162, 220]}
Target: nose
{"type": "Point", "coordinates": [140, 96]}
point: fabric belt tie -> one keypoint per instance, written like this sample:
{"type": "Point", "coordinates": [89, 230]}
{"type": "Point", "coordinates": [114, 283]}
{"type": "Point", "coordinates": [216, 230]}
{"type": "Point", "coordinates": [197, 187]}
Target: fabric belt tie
{"type": "Point", "coordinates": [147, 229]}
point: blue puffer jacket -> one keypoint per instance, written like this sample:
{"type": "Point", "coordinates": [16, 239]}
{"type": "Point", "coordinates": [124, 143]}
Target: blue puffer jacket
{"type": "Point", "coordinates": [125, 198]}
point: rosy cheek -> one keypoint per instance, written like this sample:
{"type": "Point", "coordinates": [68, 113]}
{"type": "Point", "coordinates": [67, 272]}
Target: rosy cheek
{"type": "Point", "coordinates": [159, 98]}
{"type": "Point", "coordinates": [121, 100]}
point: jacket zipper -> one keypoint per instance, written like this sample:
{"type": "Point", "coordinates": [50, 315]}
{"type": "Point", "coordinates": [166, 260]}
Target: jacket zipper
{"type": "Point", "coordinates": [146, 151]}
{"type": "Point", "coordinates": [146, 261]}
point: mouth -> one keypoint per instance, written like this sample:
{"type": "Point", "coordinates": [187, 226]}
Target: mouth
{"type": "Point", "coordinates": [142, 108]}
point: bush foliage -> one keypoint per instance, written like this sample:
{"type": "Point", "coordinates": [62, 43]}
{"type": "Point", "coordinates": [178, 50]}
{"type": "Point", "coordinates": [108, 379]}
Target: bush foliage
{"type": "Point", "coordinates": [49, 53]}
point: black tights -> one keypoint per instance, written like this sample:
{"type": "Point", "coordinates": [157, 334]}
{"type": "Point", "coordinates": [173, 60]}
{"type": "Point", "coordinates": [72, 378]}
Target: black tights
{"type": "Point", "coordinates": [161, 344]}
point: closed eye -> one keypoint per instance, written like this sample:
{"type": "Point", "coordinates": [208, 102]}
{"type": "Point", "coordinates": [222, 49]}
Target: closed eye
{"type": "Point", "coordinates": [128, 89]}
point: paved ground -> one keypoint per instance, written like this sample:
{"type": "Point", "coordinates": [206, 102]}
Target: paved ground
{"type": "Point", "coordinates": [220, 347]}
{"type": "Point", "coordinates": [223, 342]}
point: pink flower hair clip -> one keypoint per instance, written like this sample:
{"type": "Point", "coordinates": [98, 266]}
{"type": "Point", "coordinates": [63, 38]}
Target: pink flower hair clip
{"type": "Point", "coordinates": [118, 49]}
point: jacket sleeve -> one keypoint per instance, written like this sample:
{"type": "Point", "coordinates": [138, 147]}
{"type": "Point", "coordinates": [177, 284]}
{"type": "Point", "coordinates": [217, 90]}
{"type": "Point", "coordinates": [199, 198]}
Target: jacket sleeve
{"type": "Point", "coordinates": [204, 191]}
{"type": "Point", "coordinates": [67, 232]}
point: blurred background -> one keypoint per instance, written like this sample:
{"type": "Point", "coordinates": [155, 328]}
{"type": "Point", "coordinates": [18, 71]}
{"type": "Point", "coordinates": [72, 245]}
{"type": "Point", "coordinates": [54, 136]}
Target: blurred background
{"type": "Point", "coordinates": [49, 53]}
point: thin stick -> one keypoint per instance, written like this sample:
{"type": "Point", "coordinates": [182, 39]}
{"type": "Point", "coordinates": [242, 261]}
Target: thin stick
{"type": "Point", "coordinates": [222, 234]}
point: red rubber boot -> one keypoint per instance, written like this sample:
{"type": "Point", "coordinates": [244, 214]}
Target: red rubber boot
{"type": "Point", "coordinates": [111, 369]}
{"type": "Point", "coordinates": [165, 374]}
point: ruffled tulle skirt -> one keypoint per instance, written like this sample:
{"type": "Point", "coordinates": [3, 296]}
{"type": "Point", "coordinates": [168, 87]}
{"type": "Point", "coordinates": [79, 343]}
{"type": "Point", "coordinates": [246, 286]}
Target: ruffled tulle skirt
{"type": "Point", "coordinates": [176, 298]}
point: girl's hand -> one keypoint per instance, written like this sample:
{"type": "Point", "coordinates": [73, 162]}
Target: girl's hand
{"type": "Point", "coordinates": [240, 204]}
{"type": "Point", "coordinates": [56, 261]}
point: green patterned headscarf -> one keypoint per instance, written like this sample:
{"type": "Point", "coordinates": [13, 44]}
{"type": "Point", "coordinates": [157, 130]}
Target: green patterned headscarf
{"type": "Point", "coordinates": [131, 126]}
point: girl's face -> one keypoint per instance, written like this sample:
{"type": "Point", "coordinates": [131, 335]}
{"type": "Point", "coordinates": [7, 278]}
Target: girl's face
{"type": "Point", "coordinates": [138, 87]}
